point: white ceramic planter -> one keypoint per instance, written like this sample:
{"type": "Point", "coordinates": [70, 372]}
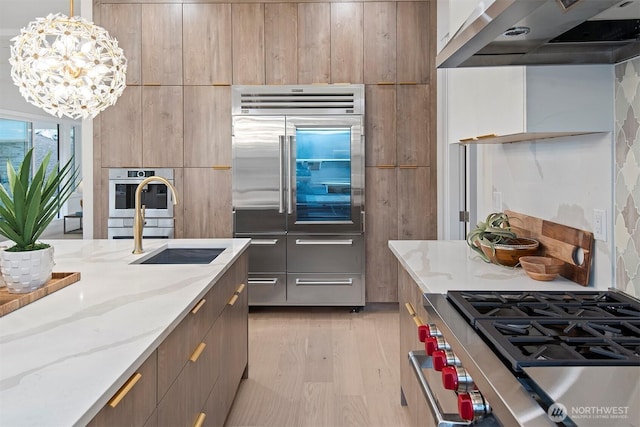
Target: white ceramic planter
{"type": "Point", "coordinates": [26, 271]}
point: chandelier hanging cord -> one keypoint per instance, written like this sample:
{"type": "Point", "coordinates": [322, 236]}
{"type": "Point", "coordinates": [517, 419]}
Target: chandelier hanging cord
{"type": "Point", "coordinates": [68, 66]}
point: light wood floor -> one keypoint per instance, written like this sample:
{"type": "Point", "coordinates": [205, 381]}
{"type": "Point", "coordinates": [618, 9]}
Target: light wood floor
{"type": "Point", "coordinates": [322, 367]}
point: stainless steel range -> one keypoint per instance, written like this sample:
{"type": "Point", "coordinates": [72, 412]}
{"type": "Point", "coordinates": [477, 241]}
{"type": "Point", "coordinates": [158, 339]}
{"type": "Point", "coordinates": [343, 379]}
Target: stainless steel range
{"type": "Point", "coordinates": [532, 358]}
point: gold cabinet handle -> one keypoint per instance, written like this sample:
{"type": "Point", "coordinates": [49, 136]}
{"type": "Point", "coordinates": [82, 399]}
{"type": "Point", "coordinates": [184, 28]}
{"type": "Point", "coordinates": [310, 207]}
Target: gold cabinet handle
{"type": "Point", "coordinates": [413, 314]}
{"type": "Point", "coordinates": [235, 295]}
{"type": "Point", "coordinates": [220, 167]}
{"type": "Point", "coordinates": [125, 389]}
{"type": "Point", "coordinates": [408, 166]}
{"type": "Point", "coordinates": [385, 166]}
{"type": "Point", "coordinates": [198, 306]}
{"type": "Point", "coordinates": [197, 352]}
{"type": "Point", "coordinates": [468, 139]}
{"type": "Point", "coordinates": [200, 419]}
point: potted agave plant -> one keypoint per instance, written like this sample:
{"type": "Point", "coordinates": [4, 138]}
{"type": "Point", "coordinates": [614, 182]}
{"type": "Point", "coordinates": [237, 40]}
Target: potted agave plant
{"type": "Point", "coordinates": [27, 207]}
{"type": "Point", "coordinates": [496, 242]}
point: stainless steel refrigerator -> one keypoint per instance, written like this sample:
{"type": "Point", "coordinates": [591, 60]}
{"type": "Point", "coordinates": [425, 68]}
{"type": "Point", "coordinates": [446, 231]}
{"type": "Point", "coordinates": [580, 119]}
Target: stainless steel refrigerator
{"type": "Point", "coordinates": [298, 192]}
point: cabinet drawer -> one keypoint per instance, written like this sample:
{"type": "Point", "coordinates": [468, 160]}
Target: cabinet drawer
{"type": "Point", "coordinates": [184, 400]}
{"type": "Point", "coordinates": [268, 289]}
{"type": "Point", "coordinates": [134, 402]}
{"type": "Point", "coordinates": [320, 289]}
{"type": "Point", "coordinates": [268, 253]}
{"type": "Point", "coordinates": [175, 350]}
{"type": "Point", "coordinates": [309, 254]}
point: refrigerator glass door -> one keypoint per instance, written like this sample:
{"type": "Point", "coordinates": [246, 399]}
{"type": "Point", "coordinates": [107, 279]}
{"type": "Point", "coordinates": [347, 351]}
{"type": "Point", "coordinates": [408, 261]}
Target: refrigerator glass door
{"type": "Point", "coordinates": [324, 179]}
{"type": "Point", "coordinates": [258, 174]}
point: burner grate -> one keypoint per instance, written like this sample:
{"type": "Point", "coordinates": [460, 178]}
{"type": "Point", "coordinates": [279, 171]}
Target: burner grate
{"type": "Point", "coordinates": [551, 342]}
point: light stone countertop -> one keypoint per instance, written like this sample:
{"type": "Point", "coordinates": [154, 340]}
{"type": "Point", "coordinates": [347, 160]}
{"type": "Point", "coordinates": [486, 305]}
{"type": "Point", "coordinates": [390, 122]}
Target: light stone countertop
{"type": "Point", "coordinates": [62, 357]}
{"type": "Point", "coordinates": [439, 266]}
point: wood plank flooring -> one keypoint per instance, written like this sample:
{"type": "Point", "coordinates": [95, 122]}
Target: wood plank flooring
{"type": "Point", "coordinates": [322, 367]}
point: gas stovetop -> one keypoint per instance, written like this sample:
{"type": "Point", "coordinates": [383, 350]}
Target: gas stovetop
{"type": "Point", "coordinates": [586, 328]}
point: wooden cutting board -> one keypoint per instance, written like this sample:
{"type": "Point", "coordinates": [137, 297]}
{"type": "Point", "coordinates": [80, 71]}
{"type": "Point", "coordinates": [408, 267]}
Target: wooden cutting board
{"type": "Point", "coordinates": [11, 302]}
{"type": "Point", "coordinates": [558, 241]}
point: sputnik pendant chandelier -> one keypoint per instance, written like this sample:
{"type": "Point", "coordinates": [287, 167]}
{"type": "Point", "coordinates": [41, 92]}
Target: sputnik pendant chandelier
{"type": "Point", "coordinates": [68, 66]}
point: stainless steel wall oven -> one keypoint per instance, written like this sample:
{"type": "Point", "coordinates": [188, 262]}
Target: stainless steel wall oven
{"type": "Point", "coordinates": [155, 198]}
{"type": "Point", "coordinates": [298, 192]}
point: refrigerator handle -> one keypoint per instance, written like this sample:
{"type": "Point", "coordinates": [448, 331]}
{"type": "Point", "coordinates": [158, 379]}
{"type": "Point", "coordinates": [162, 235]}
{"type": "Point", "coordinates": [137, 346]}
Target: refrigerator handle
{"type": "Point", "coordinates": [289, 183]}
{"type": "Point", "coordinates": [281, 173]}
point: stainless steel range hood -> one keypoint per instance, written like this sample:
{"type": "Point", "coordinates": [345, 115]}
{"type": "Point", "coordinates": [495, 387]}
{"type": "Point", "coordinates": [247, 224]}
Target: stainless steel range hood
{"type": "Point", "coordinates": [546, 32]}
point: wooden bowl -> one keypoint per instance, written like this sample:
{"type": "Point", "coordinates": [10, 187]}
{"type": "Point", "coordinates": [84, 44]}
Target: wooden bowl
{"type": "Point", "coordinates": [510, 252]}
{"type": "Point", "coordinates": [541, 267]}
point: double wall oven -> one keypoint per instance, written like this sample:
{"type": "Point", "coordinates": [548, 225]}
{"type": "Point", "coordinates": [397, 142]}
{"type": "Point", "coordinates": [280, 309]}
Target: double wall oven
{"type": "Point", "coordinates": [298, 192]}
{"type": "Point", "coordinates": [156, 199]}
{"type": "Point", "coordinates": [518, 358]}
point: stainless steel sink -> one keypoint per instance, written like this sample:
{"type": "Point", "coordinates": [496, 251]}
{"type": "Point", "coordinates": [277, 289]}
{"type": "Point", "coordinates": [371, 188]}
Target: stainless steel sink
{"type": "Point", "coordinates": [182, 256]}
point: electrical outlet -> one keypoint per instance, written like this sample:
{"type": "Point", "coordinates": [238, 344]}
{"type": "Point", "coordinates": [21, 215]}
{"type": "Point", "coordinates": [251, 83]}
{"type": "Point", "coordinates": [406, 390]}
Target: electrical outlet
{"type": "Point", "coordinates": [599, 224]}
{"type": "Point", "coordinates": [497, 201]}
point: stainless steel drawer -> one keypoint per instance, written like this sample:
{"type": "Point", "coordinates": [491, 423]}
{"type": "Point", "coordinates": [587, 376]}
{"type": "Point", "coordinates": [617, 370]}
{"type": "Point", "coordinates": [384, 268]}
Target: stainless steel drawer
{"type": "Point", "coordinates": [325, 254]}
{"type": "Point", "coordinates": [267, 253]}
{"type": "Point", "coordinates": [267, 289]}
{"type": "Point", "coordinates": [325, 289]}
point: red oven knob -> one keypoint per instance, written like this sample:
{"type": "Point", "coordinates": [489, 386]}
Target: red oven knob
{"type": "Point", "coordinates": [442, 358]}
{"type": "Point", "coordinates": [432, 344]}
{"type": "Point", "coordinates": [457, 379]}
{"type": "Point", "coordinates": [428, 330]}
{"type": "Point", "coordinates": [472, 406]}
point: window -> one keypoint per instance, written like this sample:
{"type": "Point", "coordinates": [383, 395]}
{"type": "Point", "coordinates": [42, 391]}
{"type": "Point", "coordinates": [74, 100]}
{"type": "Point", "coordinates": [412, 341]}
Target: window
{"type": "Point", "coordinates": [15, 141]}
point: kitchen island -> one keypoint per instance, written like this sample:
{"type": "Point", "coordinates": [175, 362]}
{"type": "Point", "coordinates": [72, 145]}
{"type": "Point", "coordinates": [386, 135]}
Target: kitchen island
{"type": "Point", "coordinates": [63, 357]}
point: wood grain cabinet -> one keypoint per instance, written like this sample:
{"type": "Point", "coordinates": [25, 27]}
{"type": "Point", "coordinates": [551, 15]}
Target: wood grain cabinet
{"type": "Point", "coordinates": [248, 43]}
{"type": "Point", "coordinates": [123, 22]}
{"type": "Point", "coordinates": [161, 44]}
{"type": "Point", "coordinates": [207, 202]}
{"type": "Point", "coordinates": [120, 131]}
{"type": "Point", "coordinates": [207, 127]}
{"type": "Point", "coordinates": [133, 404]}
{"type": "Point", "coordinates": [380, 34]}
{"type": "Point", "coordinates": [192, 377]}
{"type": "Point", "coordinates": [281, 43]}
{"type": "Point", "coordinates": [162, 126]}
{"type": "Point", "coordinates": [314, 43]}
{"type": "Point", "coordinates": [415, 41]}
{"type": "Point", "coordinates": [207, 44]}
{"type": "Point", "coordinates": [347, 56]}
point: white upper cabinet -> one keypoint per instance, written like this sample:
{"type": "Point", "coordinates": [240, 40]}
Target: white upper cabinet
{"type": "Point", "coordinates": [511, 104]}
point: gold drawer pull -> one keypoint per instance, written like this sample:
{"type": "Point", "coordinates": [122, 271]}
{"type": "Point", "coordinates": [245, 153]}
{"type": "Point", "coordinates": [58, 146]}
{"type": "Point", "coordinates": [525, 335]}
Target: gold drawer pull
{"type": "Point", "coordinates": [408, 166]}
{"type": "Point", "coordinates": [125, 389]}
{"type": "Point", "coordinates": [408, 83]}
{"type": "Point", "coordinates": [220, 167]}
{"type": "Point", "coordinates": [385, 166]}
{"type": "Point", "coordinates": [200, 419]}
{"type": "Point", "coordinates": [198, 306]}
{"type": "Point", "coordinates": [152, 84]}
{"type": "Point", "coordinates": [197, 352]}
{"type": "Point", "coordinates": [413, 314]}
{"type": "Point", "coordinates": [235, 295]}
{"type": "Point", "coordinates": [233, 299]}
{"type": "Point", "coordinates": [386, 83]}
{"type": "Point", "coordinates": [220, 84]}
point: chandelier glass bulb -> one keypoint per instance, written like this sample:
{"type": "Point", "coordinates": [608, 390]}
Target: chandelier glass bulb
{"type": "Point", "coordinates": [68, 66]}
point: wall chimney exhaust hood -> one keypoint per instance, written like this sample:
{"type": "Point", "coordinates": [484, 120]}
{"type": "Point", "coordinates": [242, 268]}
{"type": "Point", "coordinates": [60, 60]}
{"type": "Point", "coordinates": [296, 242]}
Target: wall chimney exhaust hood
{"type": "Point", "coordinates": [545, 32]}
